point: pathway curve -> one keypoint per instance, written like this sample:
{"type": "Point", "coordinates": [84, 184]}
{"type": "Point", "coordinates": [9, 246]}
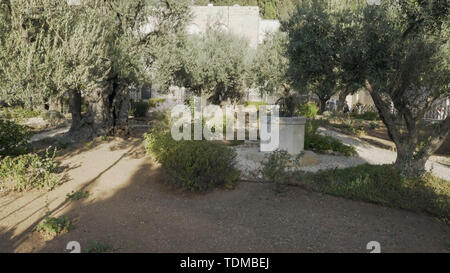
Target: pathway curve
{"type": "Point", "coordinates": [377, 156]}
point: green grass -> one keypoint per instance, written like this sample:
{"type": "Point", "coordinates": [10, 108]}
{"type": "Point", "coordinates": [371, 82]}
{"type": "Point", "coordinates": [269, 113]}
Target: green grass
{"type": "Point", "coordinates": [383, 185]}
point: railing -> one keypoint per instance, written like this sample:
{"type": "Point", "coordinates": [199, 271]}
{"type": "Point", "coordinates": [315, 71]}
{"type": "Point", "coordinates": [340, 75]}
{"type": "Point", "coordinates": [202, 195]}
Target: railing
{"type": "Point", "coordinates": [439, 111]}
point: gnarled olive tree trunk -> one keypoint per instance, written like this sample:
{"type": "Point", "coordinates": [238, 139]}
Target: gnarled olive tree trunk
{"type": "Point", "coordinates": [323, 105]}
{"type": "Point", "coordinates": [413, 150]}
{"type": "Point", "coordinates": [342, 97]}
{"type": "Point", "coordinates": [107, 112]}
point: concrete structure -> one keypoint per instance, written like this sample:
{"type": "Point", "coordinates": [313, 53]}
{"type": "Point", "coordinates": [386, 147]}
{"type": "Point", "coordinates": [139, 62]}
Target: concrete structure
{"type": "Point", "coordinates": [266, 27]}
{"type": "Point", "coordinates": [241, 20]}
{"type": "Point", "coordinates": [362, 97]}
{"type": "Point", "coordinates": [292, 134]}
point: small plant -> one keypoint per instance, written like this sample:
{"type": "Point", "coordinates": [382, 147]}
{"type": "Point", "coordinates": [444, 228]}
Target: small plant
{"type": "Point", "coordinates": [308, 110]}
{"type": "Point", "coordinates": [139, 108]}
{"type": "Point", "coordinates": [89, 144]}
{"type": "Point", "coordinates": [275, 168]}
{"type": "Point", "coordinates": [77, 195]}
{"type": "Point", "coordinates": [97, 247]}
{"type": "Point", "coordinates": [29, 171]}
{"type": "Point", "coordinates": [13, 138]}
{"type": "Point", "coordinates": [52, 226]}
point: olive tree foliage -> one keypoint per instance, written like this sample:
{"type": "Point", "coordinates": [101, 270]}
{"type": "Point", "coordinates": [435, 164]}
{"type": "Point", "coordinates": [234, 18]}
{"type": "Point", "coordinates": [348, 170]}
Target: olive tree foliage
{"type": "Point", "coordinates": [92, 52]}
{"type": "Point", "coordinates": [320, 48]}
{"type": "Point", "coordinates": [25, 67]}
{"type": "Point", "coordinates": [405, 46]}
{"type": "Point", "coordinates": [269, 71]}
{"type": "Point", "coordinates": [312, 51]}
{"type": "Point", "coordinates": [214, 65]}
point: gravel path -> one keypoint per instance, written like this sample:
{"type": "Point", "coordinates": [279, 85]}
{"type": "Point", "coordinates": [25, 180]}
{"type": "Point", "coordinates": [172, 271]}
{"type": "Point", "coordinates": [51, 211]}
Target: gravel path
{"type": "Point", "coordinates": [132, 209]}
{"type": "Point", "coordinates": [367, 153]}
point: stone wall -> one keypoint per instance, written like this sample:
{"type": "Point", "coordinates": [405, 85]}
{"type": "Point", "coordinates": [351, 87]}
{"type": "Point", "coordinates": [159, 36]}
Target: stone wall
{"type": "Point", "coordinates": [243, 21]}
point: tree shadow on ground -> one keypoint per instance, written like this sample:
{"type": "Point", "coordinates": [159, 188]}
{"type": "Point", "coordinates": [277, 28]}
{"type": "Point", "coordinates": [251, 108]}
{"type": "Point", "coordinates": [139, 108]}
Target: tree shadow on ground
{"type": "Point", "coordinates": [139, 213]}
{"type": "Point", "coordinates": [34, 206]}
{"type": "Point", "coordinates": [145, 215]}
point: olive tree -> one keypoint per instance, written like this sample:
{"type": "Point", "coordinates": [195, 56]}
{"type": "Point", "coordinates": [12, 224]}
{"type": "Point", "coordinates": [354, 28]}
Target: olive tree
{"type": "Point", "coordinates": [406, 51]}
{"type": "Point", "coordinates": [92, 51]}
{"type": "Point", "coordinates": [312, 49]}
{"type": "Point", "coordinates": [269, 71]}
{"type": "Point", "coordinates": [214, 64]}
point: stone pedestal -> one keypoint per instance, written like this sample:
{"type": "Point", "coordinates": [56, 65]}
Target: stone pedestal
{"type": "Point", "coordinates": [292, 134]}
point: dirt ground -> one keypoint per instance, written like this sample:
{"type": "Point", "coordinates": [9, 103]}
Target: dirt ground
{"type": "Point", "coordinates": [131, 209]}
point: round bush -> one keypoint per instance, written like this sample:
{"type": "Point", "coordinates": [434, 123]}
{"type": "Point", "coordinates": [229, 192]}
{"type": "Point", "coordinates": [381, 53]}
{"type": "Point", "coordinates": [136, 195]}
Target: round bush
{"type": "Point", "coordinates": [194, 165]}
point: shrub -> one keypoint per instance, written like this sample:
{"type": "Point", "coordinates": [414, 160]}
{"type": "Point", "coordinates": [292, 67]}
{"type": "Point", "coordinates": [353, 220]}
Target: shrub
{"type": "Point", "coordinates": [154, 102]}
{"type": "Point", "coordinates": [28, 171]}
{"type": "Point", "coordinates": [51, 226]}
{"type": "Point", "coordinates": [139, 108]}
{"type": "Point", "coordinates": [308, 110]}
{"type": "Point", "coordinates": [385, 186]}
{"type": "Point", "coordinates": [275, 168]}
{"type": "Point", "coordinates": [158, 143]}
{"type": "Point", "coordinates": [13, 138]}
{"type": "Point", "coordinates": [193, 165]}
{"type": "Point", "coordinates": [321, 144]}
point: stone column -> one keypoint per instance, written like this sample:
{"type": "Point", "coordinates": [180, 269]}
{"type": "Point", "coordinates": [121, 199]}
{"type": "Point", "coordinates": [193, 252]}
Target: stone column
{"type": "Point", "coordinates": [292, 134]}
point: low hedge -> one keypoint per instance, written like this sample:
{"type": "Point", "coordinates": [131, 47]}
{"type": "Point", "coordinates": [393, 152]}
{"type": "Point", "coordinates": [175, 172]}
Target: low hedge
{"type": "Point", "coordinates": [193, 165]}
{"type": "Point", "coordinates": [322, 144]}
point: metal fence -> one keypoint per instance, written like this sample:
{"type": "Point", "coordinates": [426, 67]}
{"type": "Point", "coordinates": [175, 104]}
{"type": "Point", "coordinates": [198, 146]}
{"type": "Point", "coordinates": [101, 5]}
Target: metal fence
{"type": "Point", "coordinates": [439, 111]}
